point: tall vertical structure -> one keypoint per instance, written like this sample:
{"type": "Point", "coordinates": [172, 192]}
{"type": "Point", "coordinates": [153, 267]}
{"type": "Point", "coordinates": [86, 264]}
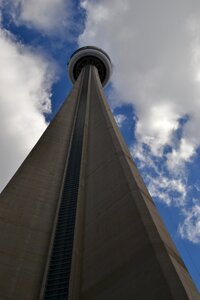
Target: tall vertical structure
{"type": "Point", "coordinates": [76, 220]}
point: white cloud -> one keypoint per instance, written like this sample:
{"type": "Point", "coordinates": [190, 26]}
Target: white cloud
{"type": "Point", "coordinates": [170, 190]}
{"type": "Point", "coordinates": [49, 16]}
{"type": "Point", "coordinates": [184, 153]}
{"type": "Point", "coordinates": [155, 48]}
{"type": "Point", "coordinates": [120, 118]}
{"type": "Point", "coordinates": [190, 228]}
{"type": "Point", "coordinates": [25, 81]}
{"type": "Point", "coordinates": [156, 127]}
{"type": "Point", "coordinates": [163, 188]}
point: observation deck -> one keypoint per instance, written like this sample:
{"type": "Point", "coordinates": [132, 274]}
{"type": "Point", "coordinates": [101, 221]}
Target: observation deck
{"type": "Point", "coordinates": [90, 55]}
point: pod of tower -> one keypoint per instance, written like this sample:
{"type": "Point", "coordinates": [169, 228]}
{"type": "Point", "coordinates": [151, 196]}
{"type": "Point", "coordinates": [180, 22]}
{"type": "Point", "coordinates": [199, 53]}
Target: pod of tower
{"type": "Point", "coordinates": [90, 55]}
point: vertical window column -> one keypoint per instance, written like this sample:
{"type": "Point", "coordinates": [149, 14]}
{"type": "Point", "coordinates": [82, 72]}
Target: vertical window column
{"type": "Point", "coordinates": [57, 284]}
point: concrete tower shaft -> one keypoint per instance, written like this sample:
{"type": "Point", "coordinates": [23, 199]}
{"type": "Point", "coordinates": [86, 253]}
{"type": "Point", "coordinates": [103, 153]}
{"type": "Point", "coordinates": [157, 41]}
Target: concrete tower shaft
{"type": "Point", "coordinates": [76, 220]}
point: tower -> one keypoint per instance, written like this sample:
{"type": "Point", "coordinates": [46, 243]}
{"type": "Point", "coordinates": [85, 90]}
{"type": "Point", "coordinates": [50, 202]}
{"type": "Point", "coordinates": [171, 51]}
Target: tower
{"type": "Point", "coordinates": [76, 220]}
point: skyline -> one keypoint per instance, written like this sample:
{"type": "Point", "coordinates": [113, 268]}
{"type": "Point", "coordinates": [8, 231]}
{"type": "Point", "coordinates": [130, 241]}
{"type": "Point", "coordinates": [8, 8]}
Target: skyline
{"type": "Point", "coordinates": [154, 97]}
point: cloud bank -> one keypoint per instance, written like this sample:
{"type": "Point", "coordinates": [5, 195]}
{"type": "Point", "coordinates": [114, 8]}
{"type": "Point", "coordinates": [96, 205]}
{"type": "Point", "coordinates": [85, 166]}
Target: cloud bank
{"type": "Point", "coordinates": [155, 49]}
{"type": "Point", "coordinates": [49, 16]}
{"type": "Point", "coordinates": [25, 81]}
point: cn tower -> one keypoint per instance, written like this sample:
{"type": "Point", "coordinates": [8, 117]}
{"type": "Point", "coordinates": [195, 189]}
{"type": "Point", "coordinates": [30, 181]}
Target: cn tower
{"type": "Point", "coordinates": [76, 220]}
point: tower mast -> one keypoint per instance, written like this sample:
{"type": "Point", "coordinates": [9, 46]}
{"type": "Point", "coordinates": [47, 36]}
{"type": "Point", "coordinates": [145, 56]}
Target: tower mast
{"type": "Point", "coordinates": [76, 220]}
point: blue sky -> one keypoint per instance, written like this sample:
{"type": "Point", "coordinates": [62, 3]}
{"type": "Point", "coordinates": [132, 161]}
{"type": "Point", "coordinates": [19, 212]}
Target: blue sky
{"type": "Point", "coordinates": [154, 92]}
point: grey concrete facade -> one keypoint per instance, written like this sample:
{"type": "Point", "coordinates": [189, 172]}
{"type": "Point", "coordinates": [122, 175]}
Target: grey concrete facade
{"type": "Point", "coordinates": [121, 248]}
{"type": "Point", "coordinates": [28, 208]}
